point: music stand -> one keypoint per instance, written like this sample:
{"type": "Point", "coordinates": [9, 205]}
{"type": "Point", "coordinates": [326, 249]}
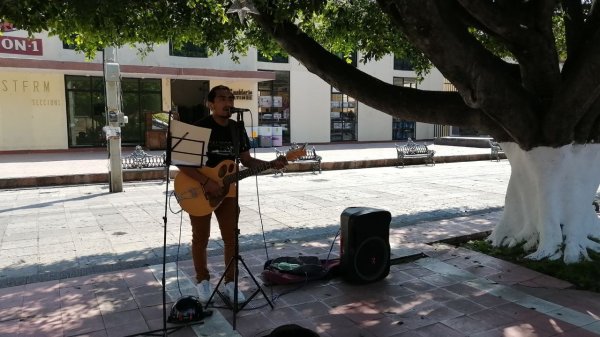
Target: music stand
{"type": "Point", "coordinates": [189, 139]}
{"type": "Point", "coordinates": [233, 262]}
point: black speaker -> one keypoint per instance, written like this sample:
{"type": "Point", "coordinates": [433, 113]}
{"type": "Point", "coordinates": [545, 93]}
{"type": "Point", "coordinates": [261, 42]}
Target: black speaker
{"type": "Point", "coordinates": [365, 245]}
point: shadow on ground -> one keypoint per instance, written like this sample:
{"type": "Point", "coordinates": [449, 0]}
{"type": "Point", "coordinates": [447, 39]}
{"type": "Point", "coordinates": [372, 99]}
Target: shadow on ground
{"type": "Point", "coordinates": [104, 263]}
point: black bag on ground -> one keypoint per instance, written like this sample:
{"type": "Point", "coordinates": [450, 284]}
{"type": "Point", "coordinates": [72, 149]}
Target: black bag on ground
{"type": "Point", "coordinates": [292, 330]}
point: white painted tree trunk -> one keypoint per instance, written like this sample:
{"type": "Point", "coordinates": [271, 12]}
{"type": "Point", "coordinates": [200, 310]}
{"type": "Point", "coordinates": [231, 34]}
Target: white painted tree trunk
{"type": "Point", "coordinates": [549, 201]}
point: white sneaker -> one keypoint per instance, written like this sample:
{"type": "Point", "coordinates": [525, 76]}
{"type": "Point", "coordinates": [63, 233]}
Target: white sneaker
{"type": "Point", "coordinates": [204, 291]}
{"type": "Point", "coordinates": [229, 291]}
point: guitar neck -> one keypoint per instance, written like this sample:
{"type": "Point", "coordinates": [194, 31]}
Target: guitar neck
{"type": "Point", "coordinates": [246, 173]}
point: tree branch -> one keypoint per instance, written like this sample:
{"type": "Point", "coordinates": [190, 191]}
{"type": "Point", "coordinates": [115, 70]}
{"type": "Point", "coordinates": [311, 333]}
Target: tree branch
{"type": "Point", "coordinates": [496, 19]}
{"type": "Point", "coordinates": [579, 91]}
{"type": "Point", "coordinates": [425, 106]}
{"type": "Point", "coordinates": [593, 20]}
{"type": "Point", "coordinates": [573, 19]}
{"type": "Point", "coordinates": [526, 29]}
{"type": "Point", "coordinates": [482, 78]}
{"type": "Point", "coordinates": [587, 128]}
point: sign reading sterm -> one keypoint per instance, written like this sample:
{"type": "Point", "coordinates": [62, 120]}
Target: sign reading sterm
{"type": "Point", "coordinates": [21, 45]}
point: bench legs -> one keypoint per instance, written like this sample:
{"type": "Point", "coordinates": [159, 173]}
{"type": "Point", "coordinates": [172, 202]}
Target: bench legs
{"type": "Point", "coordinates": [428, 160]}
{"type": "Point", "coordinates": [495, 155]}
{"type": "Point", "coordinates": [315, 167]}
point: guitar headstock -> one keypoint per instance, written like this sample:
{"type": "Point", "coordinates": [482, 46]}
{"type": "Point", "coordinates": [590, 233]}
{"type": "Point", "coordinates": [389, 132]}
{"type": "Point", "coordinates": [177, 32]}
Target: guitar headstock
{"type": "Point", "coordinates": [294, 154]}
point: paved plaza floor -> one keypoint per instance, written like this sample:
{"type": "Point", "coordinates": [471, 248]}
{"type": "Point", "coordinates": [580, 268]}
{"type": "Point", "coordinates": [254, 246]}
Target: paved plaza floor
{"type": "Point", "coordinates": [76, 260]}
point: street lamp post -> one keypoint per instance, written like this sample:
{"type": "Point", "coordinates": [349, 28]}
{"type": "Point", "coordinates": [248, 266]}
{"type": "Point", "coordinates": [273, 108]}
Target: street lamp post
{"type": "Point", "coordinates": [114, 118]}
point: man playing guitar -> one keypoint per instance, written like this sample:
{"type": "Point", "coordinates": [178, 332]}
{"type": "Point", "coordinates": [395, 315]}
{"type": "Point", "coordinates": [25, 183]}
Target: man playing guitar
{"type": "Point", "coordinates": [220, 150]}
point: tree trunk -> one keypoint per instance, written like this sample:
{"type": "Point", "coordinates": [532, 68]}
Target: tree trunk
{"type": "Point", "coordinates": [549, 202]}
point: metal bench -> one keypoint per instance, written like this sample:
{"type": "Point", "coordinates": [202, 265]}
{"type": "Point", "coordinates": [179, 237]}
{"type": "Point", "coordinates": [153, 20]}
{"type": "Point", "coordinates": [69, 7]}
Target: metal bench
{"type": "Point", "coordinates": [139, 159]}
{"type": "Point", "coordinates": [311, 157]}
{"type": "Point", "coordinates": [495, 150]}
{"type": "Point", "coordinates": [414, 150]}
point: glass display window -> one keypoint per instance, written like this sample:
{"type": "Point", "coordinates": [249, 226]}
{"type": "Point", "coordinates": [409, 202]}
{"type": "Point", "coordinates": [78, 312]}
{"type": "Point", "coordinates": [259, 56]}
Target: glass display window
{"type": "Point", "coordinates": [343, 115]}
{"type": "Point", "coordinates": [85, 98]}
{"type": "Point", "coordinates": [274, 109]}
{"type": "Point", "coordinates": [403, 129]}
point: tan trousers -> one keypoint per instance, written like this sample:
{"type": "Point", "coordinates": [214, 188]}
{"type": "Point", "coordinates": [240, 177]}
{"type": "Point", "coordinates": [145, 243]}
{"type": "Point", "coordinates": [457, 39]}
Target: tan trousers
{"type": "Point", "coordinates": [226, 215]}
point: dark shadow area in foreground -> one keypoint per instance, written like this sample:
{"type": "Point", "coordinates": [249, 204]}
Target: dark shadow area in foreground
{"type": "Point", "coordinates": [153, 256]}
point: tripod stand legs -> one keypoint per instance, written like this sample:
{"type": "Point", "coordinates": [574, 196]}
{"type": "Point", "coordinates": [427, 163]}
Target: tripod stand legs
{"type": "Point", "coordinates": [234, 305]}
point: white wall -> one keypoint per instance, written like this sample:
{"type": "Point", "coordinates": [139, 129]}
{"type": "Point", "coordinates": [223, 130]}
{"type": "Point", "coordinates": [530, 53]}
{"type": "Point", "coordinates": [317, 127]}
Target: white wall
{"type": "Point", "coordinates": [423, 131]}
{"type": "Point", "coordinates": [374, 125]}
{"type": "Point", "coordinates": [434, 80]}
{"type": "Point", "coordinates": [32, 111]}
{"type": "Point", "coordinates": [310, 102]}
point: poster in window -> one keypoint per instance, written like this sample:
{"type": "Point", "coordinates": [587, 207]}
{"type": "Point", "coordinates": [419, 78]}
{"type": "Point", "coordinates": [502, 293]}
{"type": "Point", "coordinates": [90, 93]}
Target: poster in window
{"type": "Point", "coordinates": [277, 101]}
{"type": "Point", "coordinates": [265, 101]}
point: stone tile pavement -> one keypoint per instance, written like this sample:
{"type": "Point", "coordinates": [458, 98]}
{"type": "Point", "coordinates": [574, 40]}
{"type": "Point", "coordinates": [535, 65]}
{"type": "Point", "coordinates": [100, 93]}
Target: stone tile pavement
{"type": "Point", "coordinates": [80, 261]}
{"type": "Point", "coordinates": [445, 292]}
{"type": "Point", "coordinates": [65, 231]}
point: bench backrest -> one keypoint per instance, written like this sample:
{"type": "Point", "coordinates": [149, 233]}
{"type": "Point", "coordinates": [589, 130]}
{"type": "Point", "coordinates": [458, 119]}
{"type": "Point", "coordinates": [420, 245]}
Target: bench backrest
{"type": "Point", "coordinates": [412, 148]}
{"type": "Point", "coordinates": [494, 144]}
{"type": "Point", "coordinates": [311, 153]}
{"type": "Point", "coordinates": [139, 159]}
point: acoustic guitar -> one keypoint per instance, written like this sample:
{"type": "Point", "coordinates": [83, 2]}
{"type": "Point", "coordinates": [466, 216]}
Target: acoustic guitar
{"type": "Point", "coordinates": [190, 193]}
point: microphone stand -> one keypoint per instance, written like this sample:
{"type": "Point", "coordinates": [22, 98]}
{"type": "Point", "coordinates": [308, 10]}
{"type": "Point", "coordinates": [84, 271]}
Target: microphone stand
{"type": "Point", "coordinates": [165, 331]}
{"type": "Point", "coordinates": [233, 263]}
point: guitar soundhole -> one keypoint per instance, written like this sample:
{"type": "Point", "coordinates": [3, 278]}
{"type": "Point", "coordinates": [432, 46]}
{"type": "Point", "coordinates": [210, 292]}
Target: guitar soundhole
{"type": "Point", "coordinates": [222, 171]}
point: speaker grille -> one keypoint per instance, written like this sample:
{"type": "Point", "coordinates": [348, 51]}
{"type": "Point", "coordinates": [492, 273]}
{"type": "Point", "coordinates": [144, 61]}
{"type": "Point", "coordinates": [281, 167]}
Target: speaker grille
{"type": "Point", "coordinates": [371, 259]}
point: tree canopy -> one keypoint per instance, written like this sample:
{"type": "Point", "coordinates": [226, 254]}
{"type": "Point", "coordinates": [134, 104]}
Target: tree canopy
{"type": "Point", "coordinates": [526, 71]}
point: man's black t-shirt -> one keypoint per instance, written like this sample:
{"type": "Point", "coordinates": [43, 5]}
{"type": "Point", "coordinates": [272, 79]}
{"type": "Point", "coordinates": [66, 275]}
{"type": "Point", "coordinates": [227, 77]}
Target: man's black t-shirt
{"type": "Point", "coordinates": [220, 145]}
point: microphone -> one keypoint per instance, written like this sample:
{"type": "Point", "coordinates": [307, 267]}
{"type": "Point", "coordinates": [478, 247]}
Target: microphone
{"type": "Point", "coordinates": [237, 110]}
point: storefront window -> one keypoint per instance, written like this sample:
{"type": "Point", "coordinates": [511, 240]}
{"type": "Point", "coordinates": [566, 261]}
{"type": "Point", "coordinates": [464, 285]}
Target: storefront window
{"type": "Point", "coordinates": [343, 116]}
{"type": "Point", "coordinates": [86, 115]}
{"type": "Point", "coordinates": [85, 111]}
{"type": "Point", "coordinates": [139, 96]}
{"type": "Point", "coordinates": [274, 110]}
{"type": "Point", "coordinates": [403, 129]}
{"type": "Point", "coordinates": [402, 64]}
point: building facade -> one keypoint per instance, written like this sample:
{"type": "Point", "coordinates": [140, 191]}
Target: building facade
{"type": "Point", "coordinates": [51, 98]}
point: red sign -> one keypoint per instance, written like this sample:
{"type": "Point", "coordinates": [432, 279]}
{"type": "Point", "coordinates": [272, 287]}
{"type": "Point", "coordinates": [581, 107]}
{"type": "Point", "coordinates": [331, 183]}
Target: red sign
{"type": "Point", "coordinates": [21, 45]}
